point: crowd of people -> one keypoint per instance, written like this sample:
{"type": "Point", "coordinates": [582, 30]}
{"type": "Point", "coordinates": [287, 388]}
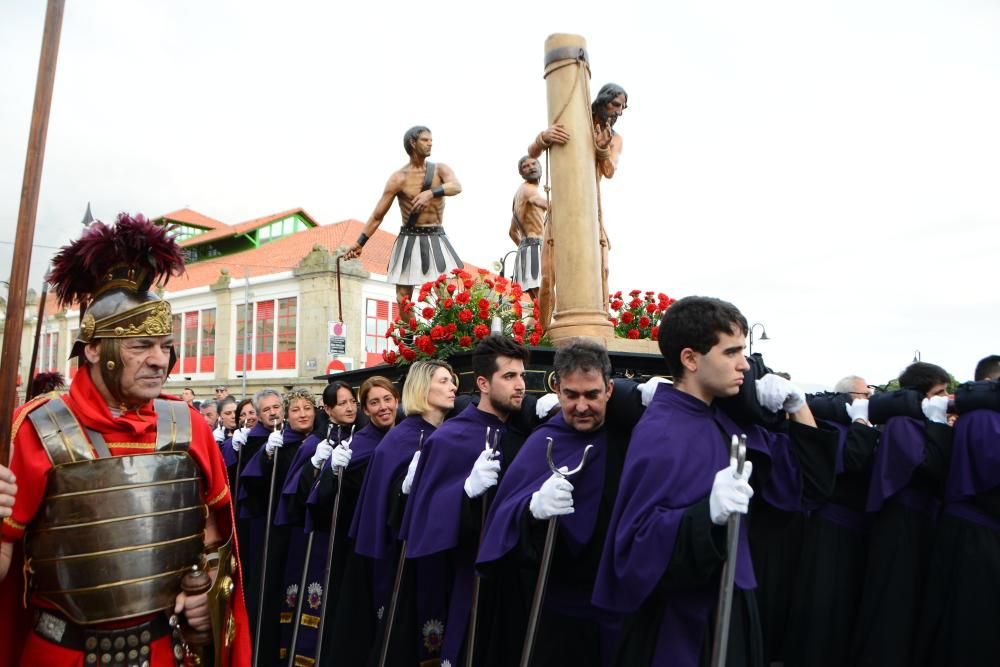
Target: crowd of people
{"type": "Point", "coordinates": [423, 517]}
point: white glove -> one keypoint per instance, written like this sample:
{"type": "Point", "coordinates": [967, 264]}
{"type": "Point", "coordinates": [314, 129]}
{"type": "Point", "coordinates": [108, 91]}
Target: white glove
{"type": "Point", "coordinates": [858, 409]}
{"type": "Point", "coordinates": [648, 389]}
{"type": "Point", "coordinates": [776, 393]}
{"type": "Point", "coordinates": [545, 404]}
{"type": "Point", "coordinates": [240, 438]}
{"type": "Point", "coordinates": [323, 451]}
{"type": "Point", "coordinates": [554, 498]}
{"type": "Point", "coordinates": [485, 473]}
{"type": "Point", "coordinates": [219, 433]}
{"type": "Point", "coordinates": [410, 472]}
{"type": "Point", "coordinates": [274, 441]}
{"type": "Point", "coordinates": [341, 456]}
{"type": "Point", "coordinates": [935, 409]}
{"type": "Point", "coordinates": [730, 494]}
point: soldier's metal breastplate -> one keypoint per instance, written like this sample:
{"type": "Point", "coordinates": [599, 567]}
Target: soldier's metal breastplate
{"type": "Point", "coordinates": [114, 534]}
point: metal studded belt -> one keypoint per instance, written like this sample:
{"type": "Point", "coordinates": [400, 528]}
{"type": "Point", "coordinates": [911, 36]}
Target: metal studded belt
{"type": "Point", "coordinates": [122, 647]}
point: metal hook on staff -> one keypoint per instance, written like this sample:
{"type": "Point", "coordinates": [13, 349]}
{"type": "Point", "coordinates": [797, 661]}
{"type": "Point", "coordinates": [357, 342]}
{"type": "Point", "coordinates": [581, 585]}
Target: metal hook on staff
{"type": "Point", "coordinates": [723, 612]}
{"type": "Point", "coordinates": [394, 600]}
{"type": "Point", "coordinates": [543, 571]}
{"type": "Point", "coordinates": [267, 542]}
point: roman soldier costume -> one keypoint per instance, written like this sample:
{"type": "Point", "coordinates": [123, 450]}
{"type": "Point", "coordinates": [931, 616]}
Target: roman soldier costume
{"type": "Point", "coordinates": [113, 500]}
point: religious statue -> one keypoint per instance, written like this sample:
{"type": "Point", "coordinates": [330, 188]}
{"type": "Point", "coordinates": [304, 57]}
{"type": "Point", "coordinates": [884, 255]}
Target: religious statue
{"type": "Point", "coordinates": [422, 250]}
{"type": "Point", "coordinates": [527, 226]}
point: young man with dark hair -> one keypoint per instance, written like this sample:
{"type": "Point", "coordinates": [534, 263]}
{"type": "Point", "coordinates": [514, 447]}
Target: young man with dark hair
{"type": "Point", "coordinates": [904, 500]}
{"type": "Point", "coordinates": [988, 368]}
{"type": "Point", "coordinates": [457, 469]}
{"type": "Point", "coordinates": [571, 630]}
{"type": "Point", "coordinates": [667, 538]}
{"type": "Point", "coordinates": [961, 609]}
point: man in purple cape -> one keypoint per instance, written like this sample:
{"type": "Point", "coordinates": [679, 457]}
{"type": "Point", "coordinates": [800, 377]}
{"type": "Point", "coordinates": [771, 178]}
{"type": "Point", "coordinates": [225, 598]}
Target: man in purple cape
{"type": "Point", "coordinates": [458, 467]}
{"type": "Point", "coordinates": [830, 566]}
{"type": "Point", "coordinates": [571, 629]}
{"type": "Point", "coordinates": [667, 536]}
{"type": "Point", "coordinates": [961, 612]}
{"type": "Point", "coordinates": [907, 485]}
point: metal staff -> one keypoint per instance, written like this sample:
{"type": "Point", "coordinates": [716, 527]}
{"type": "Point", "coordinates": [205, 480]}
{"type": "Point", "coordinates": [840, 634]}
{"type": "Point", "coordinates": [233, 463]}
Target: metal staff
{"type": "Point", "coordinates": [297, 619]}
{"type": "Point", "coordinates": [328, 570]}
{"type": "Point", "coordinates": [267, 541]}
{"type": "Point", "coordinates": [723, 612]}
{"type": "Point", "coordinates": [394, 600]}
{"type": "Point", "coordinates": [239, 466]}
{"type": "Point", "coordinates": [474, 613]}
{"type": "Point", "coordinates": [543, 570]}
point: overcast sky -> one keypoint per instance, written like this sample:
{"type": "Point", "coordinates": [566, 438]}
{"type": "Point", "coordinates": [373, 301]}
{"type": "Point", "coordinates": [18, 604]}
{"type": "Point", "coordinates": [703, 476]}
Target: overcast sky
{"type": "Point", "coordinates": [832, 168]}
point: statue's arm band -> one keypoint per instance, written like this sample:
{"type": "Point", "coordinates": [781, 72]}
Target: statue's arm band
{"type": "Point", "coordinates": [438, 191]}
{"type": "Point", "coordinates": [362, 240]}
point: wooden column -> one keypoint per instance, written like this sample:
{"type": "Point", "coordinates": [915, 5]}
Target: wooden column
{"type": "Point", "coordinates": [579, 300]}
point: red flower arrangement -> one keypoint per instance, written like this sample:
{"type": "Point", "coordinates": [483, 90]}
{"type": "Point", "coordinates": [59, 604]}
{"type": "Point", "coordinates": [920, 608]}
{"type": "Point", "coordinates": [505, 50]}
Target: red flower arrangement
{"type": "Point", "coordinates": [455, 312]}
{"type": "Point", "coordinates": [638, 315]}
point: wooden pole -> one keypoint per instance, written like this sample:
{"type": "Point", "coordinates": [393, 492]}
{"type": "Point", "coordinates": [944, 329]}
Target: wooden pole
{"type": "Point", "coordinates": [25, 235]}
{"type": "Point", "coordinates": [579, 299]}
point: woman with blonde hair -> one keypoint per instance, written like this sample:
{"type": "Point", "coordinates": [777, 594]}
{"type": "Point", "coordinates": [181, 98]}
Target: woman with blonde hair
{"type": "Point", "coordinates": [428, 395]}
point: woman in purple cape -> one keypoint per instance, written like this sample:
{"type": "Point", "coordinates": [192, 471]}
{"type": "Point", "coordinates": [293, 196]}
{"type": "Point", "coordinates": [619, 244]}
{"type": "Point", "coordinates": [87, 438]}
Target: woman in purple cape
{"type": "Point", "coordinates": [428, 395]}
{"type": "Point", "coordinates": [341, 411]}
{"type": "Point", "coordinates": [279, 450]}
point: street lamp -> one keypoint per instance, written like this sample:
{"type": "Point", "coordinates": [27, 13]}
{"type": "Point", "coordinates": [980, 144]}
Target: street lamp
{"type": "Point", "coordinates": [916, 356]}
{"type": "Point", "coordinates": [763, 334]}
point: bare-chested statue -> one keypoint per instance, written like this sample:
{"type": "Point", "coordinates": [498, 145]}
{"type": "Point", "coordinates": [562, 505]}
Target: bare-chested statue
{"type": "Point", "coordinates": [422, 250]}
{"type": "Point", "coordinates": [607, 108]}
{"type": "Point", "coordinates": [527, 226]}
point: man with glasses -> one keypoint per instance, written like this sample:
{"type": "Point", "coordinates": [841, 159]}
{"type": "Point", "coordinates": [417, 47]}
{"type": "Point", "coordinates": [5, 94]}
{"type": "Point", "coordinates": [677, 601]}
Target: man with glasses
{"type": "Point", "coordinates": [853, 385]}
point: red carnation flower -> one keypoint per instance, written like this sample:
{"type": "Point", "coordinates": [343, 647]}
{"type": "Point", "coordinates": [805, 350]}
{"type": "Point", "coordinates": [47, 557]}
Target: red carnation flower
{"type": "Point", "coordinates": [481, 331]}
{"type": "Point", "coordinates": [437, 332]}
{"type": "Point", "coordinates": [643, 321]}
{"type": "Point", "coordinates": [451, 288]}
{"type": "Point", "coordinates": [627, 317]}
{"type": "Point", "coordinates": [465, 341]}
{"type": "Point", "coordinates": [427, 287]}
{"type": "Point", "coordinates": [389, 357]}
{"type": "Point", "coordinates": [483, 303]}
{"type": "Point", "coordinates": [517, 309]}
{"type": "Point", "coordinates": [635, 292]}
{"type": "Point", "coordinates": [535, 338]}
{"type": "Point", "coordinates": [440, 279]}
{"type": "Point", "coordinates": [617, 304]}
{"type": "Point", "coordinates": [413, 324]}
{"type": "Point", "coordinates": [427, 312]}
{"type": "Point", "coordinates": [633, 334]}
{"type": "Point", "coordinates": [451, 327]}
{"type": "Point", "coordinates": [467, 283]}
{"type": "Point", "coordinates": [488, 282]}
{"type": "Point", "coordinates": [465, 315]}
{"type": "Point", "coordinates": [484, 272]}
{"type": "Point", "coordinates": [484, 315]}
{"type": "Point", "coordinates": [618, 294]}
{"type": "Point", "coordinates": [635, 303]}
{"type": "Point", "coordinates": [519, 328]}
{"type": "Point", "coordinates": [655, 333]}
{"type": "Point", "coordinates": [614, 322]}
{"type": "Point", "coordinates": [519, 339]}
{"type": "Point", "coordinates": [448, 303]}
{"type": "Point", "coordinates": [650, 308]}
{"type": "Point", "coordinates": [388, 332]}
{"type": "Point", "coordinates": [534, 312]}
{"type": "Point", "coordinates": [456, 272]}
{"type": "Point", "coordinates": [407, 353]}
{"type": "Point", "coordinates": [463, 298]}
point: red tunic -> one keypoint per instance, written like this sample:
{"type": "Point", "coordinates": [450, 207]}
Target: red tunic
{"type": "Point", "coordinates": [131, 433]}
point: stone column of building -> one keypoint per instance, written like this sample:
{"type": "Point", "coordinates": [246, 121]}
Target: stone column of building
{"type": "Point", "coordinates": [223, 327]}
{"type": "Point", "coordinates": [318, 305]}
{"type": "Point", "coordinates": [579, 300]}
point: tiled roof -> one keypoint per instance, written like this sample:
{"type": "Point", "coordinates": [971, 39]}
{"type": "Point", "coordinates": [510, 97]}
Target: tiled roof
{"type": "Point", "coordinates": [186, 216]}
{"type": "Point", "coordinates": [285, 254]}
{"type": "Point", "coordinates": [228, 231]}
